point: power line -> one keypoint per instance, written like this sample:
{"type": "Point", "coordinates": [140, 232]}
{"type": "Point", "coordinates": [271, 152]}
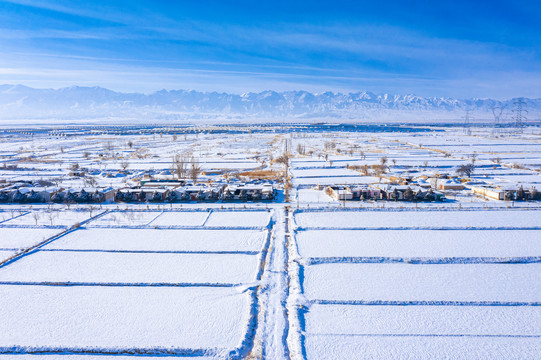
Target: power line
{"type": "Point", "coordinates": [519, 116]}
{"type": "Point", "coordinates": [497, 113]}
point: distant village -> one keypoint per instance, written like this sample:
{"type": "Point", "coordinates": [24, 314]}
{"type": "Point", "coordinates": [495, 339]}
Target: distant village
{"type": "Point", "coordinates": [408, 189]}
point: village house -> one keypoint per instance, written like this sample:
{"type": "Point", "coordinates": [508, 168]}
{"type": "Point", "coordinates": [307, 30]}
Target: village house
{"type": "Point", "coordinates": [85, 195]}
{"type": "Point", "coordinates": [449, 184]}
{"type": "Point", "coordinates": [248, 192]}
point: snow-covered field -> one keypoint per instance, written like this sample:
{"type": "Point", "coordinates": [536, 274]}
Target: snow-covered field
{"type": "Point", "coordinates": [247, 218]}
{"type": "Point", "coordinates": [302, 277]}
{"type": "Point", "coordinates": [145, 289]}
{"type": "Point", "coordinates": [423, 282]}
{"type": "Point", "coordinates": [6, 254]}
{"type": "Point", "coordinates": [419, 243]}
{"type": "Point", "coordinates": [419, 219]}
{"type": "Point", "coordinates": [426, 293]}
{"type": "Point", "coordinates": [186, 240]}
{"type": "Point", "coordinates": [128, 268]}
{"type": "Point", "coordinates": [49, 218]}
{"type": "Point", "coordinates": [181, 320]}
{"type": "Point", "coordinates": [126, 218]}
{"type": "Point", "coordinates": [383, 347]}
{"type": "Point", "coordinates": [22, 238]}
{"type": "Point", "coordinates": [181, 219]}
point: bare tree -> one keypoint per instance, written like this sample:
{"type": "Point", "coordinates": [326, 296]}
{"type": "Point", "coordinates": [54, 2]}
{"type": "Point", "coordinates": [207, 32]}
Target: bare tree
{"type": "Point", "coordinates": [91, 209]}
{"type": "Point", "coordinates": [284, 160]}
{"type": "Point", "coordinates": [497, 160]}
{"type": "Point", "coordinates": [90, 181]}
{"type": "Point", "coordinates": [195, 170]}
{"type": "Point", "coordinates": [383, 165]}
{"type": "Point", "coordinates": [124, 165]}
{"type": "Point", "coordinates": [179, 166]}
{"type": "Point", "coordinates": [109, 147]}
{"type": "Point", "coordinates": [473, 157]}
{"type": "Point", "coordinates": [362, 155]}
{"type": "Point", "coordinates": [465, 170]}
{"type": "Point", "coordinates": [141, 153]}
{"type": "Point", "coordinates": [330, 145]}
{"type": "Point", "coordinates": [52, 215]}
{"type": "Point", "coordinates": [35, 215]}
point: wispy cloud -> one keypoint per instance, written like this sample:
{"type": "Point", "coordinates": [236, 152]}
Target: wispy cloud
{"type": "Point", "coordinates": [147, 44]}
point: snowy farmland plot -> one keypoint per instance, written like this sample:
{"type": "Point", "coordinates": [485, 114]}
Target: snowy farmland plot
{"type": "Point", "coordinates": [6, 254]}
{"type": "Point", "coordinates": [49, 218]}
{"type": "Point", "coordinates": [427, 244]}
{"type": "Point", "coordinates": [126, 218]}
{"type": "Point", "coordinates": [203, 266]}
{"type": "Point", "coordinates": [146, 320]}
{"type": "Point", "coordinates": [175, 286]}
{"type": "Point", "coordinates": [131, 268]}
{"type": "Point", "coordinates": [425, 283]}
{"type": "Point", "coordinates": [14, 238]}
{"type": "Point", "coordinates": [419, 219]}
{"type": "Point", "coordinates": [185, 240]}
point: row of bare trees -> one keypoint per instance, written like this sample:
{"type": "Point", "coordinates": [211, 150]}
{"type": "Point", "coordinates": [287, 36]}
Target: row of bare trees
{"type": "Point", "coordinates": [183, 166]}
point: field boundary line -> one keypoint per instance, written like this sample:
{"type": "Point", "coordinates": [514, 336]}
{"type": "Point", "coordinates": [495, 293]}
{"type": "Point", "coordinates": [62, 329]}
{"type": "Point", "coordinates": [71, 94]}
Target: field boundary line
{"type": "Point", "coordinates": [207, 218]}
{"type": "Point", "coordinates": [422, 260]}
{"type": "Point", "coordinates": [421, 303]}
{"type": "Point", "coordinates": [21, 350]}
{"type": "Point", "coordinates": [116, 284]}
{"type": "Point", "coordinates": [430, 335]}
{"type": "Point", "coordinates": [15, 217]}
{"type": "Point", "coordinates": [306, 228]}
{"type": "Point", "coordinates": [35, 247]}
{"type": "Point", "coordinates": [203, 252]}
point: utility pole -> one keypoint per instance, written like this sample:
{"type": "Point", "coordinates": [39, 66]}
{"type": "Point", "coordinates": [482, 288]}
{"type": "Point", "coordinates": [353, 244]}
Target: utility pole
{"type": "Point", "coordinates": [467, 118]}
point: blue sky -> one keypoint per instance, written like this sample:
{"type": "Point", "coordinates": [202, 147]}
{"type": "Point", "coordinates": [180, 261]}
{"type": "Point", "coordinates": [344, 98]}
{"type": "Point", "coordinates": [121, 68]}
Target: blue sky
{"type": "Point", "coordinates": [430, 48]}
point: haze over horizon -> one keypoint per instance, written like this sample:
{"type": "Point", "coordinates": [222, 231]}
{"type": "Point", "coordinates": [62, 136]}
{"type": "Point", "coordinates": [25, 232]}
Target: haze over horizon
{"type": "Point", "coordinates": [459, 49]}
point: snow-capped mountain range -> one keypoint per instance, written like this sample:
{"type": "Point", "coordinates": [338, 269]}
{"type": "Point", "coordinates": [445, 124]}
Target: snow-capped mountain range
{"type": "Point", "coordinates": [77, 103]}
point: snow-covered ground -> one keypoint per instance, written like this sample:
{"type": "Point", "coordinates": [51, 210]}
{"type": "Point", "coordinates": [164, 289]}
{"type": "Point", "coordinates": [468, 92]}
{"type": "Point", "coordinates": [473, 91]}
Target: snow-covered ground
{"type": "Point", "coordinates": [115, 267]}
{"type": "Point", "coordinates": [181, 320]}
{"type": "Point", "coordinates": [426, 293]}
{"type": "Point", "coordinates": [338, 347]}
{"type": "Point", "coordinates": [419, 243]}
{"type": "Point", "coordinates": [419, 219]}
{"type": "Point", "coordinates": [239, 218]}
{"type": "Point", "coordinates": [6, 254]}
{"type": "Point", "coordinates": [123, 218]}
{"type": "Point", "coordinates": [308, 279]}
{"type": "Point", "coordinates": [186, 240]}
{"type": "Point", "coordinates": [50, 218]}
{"type": "Point", "coordinates": [22, 238]}
{"type": "Point", "coordinates": [423, 282]}
{"type": "Point", "coordinates": [184, 218]}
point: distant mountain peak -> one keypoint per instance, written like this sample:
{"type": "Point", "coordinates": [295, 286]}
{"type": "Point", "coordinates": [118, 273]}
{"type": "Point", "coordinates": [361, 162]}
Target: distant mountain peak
{"type": "Point", "coordinates": [80, 102]}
